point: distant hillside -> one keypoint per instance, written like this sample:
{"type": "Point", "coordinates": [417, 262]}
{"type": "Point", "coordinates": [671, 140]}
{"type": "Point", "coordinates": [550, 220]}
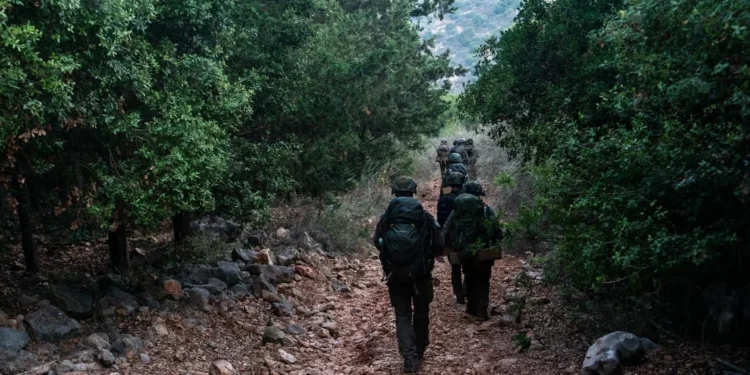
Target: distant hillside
{"type": "Point", "coordinates": [465, 30]}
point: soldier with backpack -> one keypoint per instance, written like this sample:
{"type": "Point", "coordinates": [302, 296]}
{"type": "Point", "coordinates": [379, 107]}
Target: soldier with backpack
{"type": "Point", "coordinates": [446, 204]}
{"type": "Point", "coordinates": [472, 156]}
{"type": "Point", "coordinates": [472, 226]}
{"type": "Point", "coordinates": [461, 150]}
{"type": "Point", "coordinates": [409, 239]}
{"type": "Point", "coordinates": [454, 165]}
{"type": "Point", "coordinates": [443, 152]}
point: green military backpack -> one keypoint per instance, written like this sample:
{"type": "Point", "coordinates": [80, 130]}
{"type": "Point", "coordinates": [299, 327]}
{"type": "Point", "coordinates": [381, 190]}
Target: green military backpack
{"type": "Point", "coordinates": [467, 224]}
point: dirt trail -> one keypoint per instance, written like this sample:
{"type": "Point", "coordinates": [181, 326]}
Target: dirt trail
{"type": "Point", "coordinates": [347, 332]}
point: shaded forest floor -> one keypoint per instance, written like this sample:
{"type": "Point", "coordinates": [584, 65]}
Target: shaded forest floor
{"type": "Point", "coordinates": [353, 332]}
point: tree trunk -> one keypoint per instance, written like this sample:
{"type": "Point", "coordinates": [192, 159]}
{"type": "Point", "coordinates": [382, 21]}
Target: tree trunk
{"type": "Point", "coordinates": [24, 218]}
{"type": "Point", "coordinates": [118, 240]}
{"type": "Point", "coordinates": [181, 226]}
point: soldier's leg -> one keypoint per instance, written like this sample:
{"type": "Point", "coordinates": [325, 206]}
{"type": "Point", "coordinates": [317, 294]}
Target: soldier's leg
{"type": "Point", "coordinates": [456, 282]}
{"type": "Point", "coordinates": [422, 314]}
{"type": "Point", "coordinates": [484, 274]}
{"type": "Point", "coordinates": [401, 295]}
{"type": "Point", "coordinates": [469, 276]}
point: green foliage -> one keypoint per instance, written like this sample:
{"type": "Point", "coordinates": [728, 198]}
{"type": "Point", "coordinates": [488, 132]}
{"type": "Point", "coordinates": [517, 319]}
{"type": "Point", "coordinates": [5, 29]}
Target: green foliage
{"type": "Point", "coordinates": [504, 180]}
{"type": "Point", "coordinates": [203, 249]}
{"type": "Point", "coordinates": [521, 341]}
{"type": "Point", "coordinates": [126, 113]}
{"type": "Point", "coordinates": [639, 122]}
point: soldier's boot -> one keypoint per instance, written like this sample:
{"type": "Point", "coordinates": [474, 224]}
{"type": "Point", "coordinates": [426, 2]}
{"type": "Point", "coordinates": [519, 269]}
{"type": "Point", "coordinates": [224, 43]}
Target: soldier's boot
{"type": "Point", "coordinates": [411, 366]}
{"type": "Point", "coordinates": [482, 315]}
{"type": "Point", "coordinates": [460, 299]}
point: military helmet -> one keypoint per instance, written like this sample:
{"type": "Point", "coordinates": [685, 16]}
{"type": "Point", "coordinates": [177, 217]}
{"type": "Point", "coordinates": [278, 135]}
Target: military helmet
{"type": "Point", "coordinates": [474, 188]}
{"type": "Point", "coordinates": [469, 141]}
{"type": "Point", "coordinates": [404, 184]}
{"type": "Point", "coordinates": [455, 178]}
{"type": "Point", "coordinates": [443, 141]}
{"type": "Point", "coordinates": [461, 141]}
{"type": "Point", "coordinates": [455, 158]}
{"type": "Point", "coordinates": [455, 142]}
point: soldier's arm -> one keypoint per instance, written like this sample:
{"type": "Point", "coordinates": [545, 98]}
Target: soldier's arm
{"type": "Point", "coordinates": [445, 231]}
{"type": "Point", "coordinates": [378, 232]}
{"type": "Point", "coordinates": [438, 242]}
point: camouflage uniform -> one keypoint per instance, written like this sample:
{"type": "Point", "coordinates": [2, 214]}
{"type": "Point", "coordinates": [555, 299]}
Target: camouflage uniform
{"type": "Point", "coordinates": [443, 151]}
{"type": "Point", "coordinates": [446, 204]}
{"type": "Point", "coordinates": [477, 273]}
{"type": "Point", "coordinates": [411, 298]}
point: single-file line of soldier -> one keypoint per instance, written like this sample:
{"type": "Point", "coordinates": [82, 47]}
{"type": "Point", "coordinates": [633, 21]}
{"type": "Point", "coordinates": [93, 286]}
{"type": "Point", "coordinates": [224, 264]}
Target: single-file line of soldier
{"type": "Point", "coordinates": [410, 240]}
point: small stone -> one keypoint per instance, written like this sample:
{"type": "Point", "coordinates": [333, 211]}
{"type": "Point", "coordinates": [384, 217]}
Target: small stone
{"type": "Point", "coordinates": [65, 367]}
{"type": "Point", "coordinates": [199, 299]}
{"type": "Point", "coordinates": [160, 328]}
{"type": "Point", "coordinates": [244, 255]}
{"type": "Point", "coordinates": [145, 359]}
{"type": "Point", "coordinates": [295, 329]}
{"type": "Point", "coordinates": [12, 340]}
{"type": "Point", "coordinates": [264, 257]}
{"type": "Point", "coordinates": [287, 256]}
{"type": "Point", "coordinates": [282, 233]}
{"type": "Point", "coordinates": [274, 335]}
{"type": "Point", "coordinates": [222, 367]}
{"type": "Point", "coordinates": [539, 301]}
{"type": "Point", "coordinates": [305, 271]}
{"type": "Point", "coordinates": [173, 288]}
{"type": "Point", "coordinates": [286, 357]}
{"type": "Point", "coordinates": [339, 286]}
{"type": "Point", "coordinates": [106, 358]}
{"type": "Point", "coordinates": [332, 327]}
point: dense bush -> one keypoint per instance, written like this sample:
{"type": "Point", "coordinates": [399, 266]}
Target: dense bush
{"type": "Point", "coordinates": [636, 115]}
{"type": "Point", "coordinates": [119, 115]}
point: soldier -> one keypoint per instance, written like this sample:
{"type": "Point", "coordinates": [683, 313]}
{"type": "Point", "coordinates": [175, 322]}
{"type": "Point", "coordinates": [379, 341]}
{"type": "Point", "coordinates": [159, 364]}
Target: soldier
{"type": "Point", "coordinates": [443, 152]}
{"type": "Point", "coordinates": [409, 239]}
{"type": "Point", "coordinates": [473, 156]}
{"type": "Point", "coordinates": [446, 204]}
{"type": "Point", "coordinates": [467, 228]}
{"type": "Point", "coordinates": [461, 150]}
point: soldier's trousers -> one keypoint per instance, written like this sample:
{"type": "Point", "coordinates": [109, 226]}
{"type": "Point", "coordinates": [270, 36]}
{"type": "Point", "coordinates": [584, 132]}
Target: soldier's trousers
{"type": "Point", "coordinates": [443, 167]}
{"type": "Point", "coordinates": [477, 275]}
{"type": "Point", "coordinates": [459, 289]}
{"type": "Point", "coordinates": [412, 323]}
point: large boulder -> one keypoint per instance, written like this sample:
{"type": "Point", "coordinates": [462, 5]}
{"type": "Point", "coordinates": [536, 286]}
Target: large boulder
{"type": "Point", "coordinates": [216, 227]}
{"type": "Point", "coordinates": [287, 257]}
{"type": "Point", "coordinates": [609, 353]}
{"type": "Point", "coordinates": [74, 300]}
{"type": "Point", "coordinates": [12, 340]}
{"type": "Point", "coordinates": [275, 274]}
{"type": "Point", "coordinates": [116, 301]}
{"type": "Point", "coordinates": [51, 324]}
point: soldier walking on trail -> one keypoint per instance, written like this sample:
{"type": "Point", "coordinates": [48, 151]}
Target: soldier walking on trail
{"type": "Point", "coordinates": [409, 239]}
{"type": "Point", "coordinates": [472, 225]}
{"type": "Point", "coordinates": [473, 156]}
{"type": "Point", "coordinates": [454, 165]}
{"type": "Point", "coordinates": [446, 204]}
{"type": "Point", "coordinates": [461, 150]}
{"type": "Point", "coordinates": [443, 152]}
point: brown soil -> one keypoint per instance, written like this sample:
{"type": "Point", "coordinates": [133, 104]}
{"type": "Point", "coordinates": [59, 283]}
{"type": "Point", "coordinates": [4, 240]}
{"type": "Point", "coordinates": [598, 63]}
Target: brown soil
{"type": "Point", "coordinates": [364, 340]}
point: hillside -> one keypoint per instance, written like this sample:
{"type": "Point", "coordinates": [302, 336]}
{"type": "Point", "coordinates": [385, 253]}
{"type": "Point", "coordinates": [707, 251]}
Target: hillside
{"type": "Point", "coordinates": [467, 28]}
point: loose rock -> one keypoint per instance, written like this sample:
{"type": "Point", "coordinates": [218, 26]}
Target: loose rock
{"type": "Point", "coordinates": [273, 335]}
{"type": "Point", "coordinates": [118, 300]}
{"type": "Point", "coordinates": [98, 341]}
{"type": "Point", "coordinates": [51, 324]}
{"type": "Point", "coordinates": [145, 359]}
{"type": "Point", "coordinates": [286, 357]}
{"type": "Point", "coordinates": [106, 358]}
{"type": "Point", "coordinates": [75, 301]}
{"type": "Point", "coordinates": [275, 274]}
{"type": "Point", "coordinates": [264, 257]}
{"type": "Point", "coordinates": [287, 256]}
{"type": "Point", "coordinates": [245, 255]}
{"type": "Point", "coordinates": [222, 367]}
{"type": "Point", "coordinates": [173, 288]}
{"type": "Point", "coordinates": [305, 271]}
{"type": "Point", "coordinates": [12, 340]}
{"type": "Point", "coordinates": [199, 299]}
{"type": "Point", "coordinates": [607, 355]}
{"type": "Point", "coordinates": [296, 329]}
